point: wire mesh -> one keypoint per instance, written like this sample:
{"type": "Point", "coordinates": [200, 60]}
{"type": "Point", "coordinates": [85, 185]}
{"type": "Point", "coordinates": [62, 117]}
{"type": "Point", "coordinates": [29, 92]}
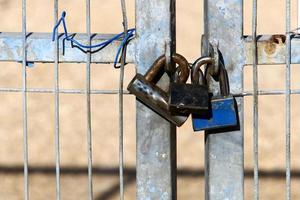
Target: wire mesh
{"type": "Point", "coordinates": [288, 99]}
{"type": "Point", "coordinates": [287, 92]}
{"type": "Point", "coordinates": [88, 92]}
{"type": "Point", "coordinates": [56, 91]}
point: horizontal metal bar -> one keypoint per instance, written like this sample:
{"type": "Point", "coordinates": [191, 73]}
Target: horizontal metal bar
{"type": "Point", "coordinates": [126, 92]}
{"type": "Point", "coordinates": [63, 91]}
{"type": "Point", "coordinates": [271, 49]}
{"type": "Point", "coordinates": [130, 171]}
{"type": "Point", "coordinates": [40, 48]}
{"type": "Point", "coordinates": [267, 92]}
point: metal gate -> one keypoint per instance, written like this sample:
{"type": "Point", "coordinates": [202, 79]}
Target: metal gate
{"type": "Point", "coordinates": [156, 138]}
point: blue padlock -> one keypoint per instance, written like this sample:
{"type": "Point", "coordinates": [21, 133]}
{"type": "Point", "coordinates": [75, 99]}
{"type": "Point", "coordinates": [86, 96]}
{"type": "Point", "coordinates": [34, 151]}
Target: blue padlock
{"type": "Point", "coordinates": [223, 113]}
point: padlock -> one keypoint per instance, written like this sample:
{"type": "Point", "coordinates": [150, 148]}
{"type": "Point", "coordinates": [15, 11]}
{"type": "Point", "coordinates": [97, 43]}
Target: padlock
{"type": "Point", "coordinates": [145, 89]}
{"type": "Point", "coordinates": [223, 108]}
{"type": "Point", "coordinates": [191, 98]}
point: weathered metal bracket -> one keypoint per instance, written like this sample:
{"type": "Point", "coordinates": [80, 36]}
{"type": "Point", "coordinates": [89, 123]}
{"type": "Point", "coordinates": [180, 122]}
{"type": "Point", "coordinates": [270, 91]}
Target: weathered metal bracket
{"type": "Point", "coordinates": [271, 49]}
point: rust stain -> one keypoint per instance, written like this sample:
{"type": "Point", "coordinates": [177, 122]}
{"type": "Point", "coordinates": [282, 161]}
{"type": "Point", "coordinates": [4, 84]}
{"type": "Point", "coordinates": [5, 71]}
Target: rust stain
{"type": "Point", "coordinates": [271, 45]}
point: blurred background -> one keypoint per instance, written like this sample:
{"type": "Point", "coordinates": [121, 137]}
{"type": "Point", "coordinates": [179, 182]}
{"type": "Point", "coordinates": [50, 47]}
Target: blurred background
{"type": "Point", "coordinates": [106, 18]}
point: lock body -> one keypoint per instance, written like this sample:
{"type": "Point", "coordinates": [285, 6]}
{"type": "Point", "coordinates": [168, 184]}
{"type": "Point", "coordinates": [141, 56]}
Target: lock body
{"type": "Point", "coordinates": [188, 98]}
{"type": "Point", "coordinates": [191, 98]}
{"type": "Point", "coordinates": [223, 114]}
{"type": "Point", "coordinates": [154, 97]}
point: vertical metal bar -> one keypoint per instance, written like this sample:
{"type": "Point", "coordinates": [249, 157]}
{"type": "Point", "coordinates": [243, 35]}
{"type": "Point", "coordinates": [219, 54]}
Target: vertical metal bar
{"type": "Point", "coordinates": [156, 138]}
{"type": "Point", "coordinates": [88, 102]}
{"type": "Point", "coordinates": [121, 132]}
{"type": "Point", "coordinates": [121, 119]}
{"type": "Point", "coordinates": [121, 129]}
{"type": "Point", "coordinates": [24, 97]}
{"type": "Point", "coordinates": [288, 100]}
{"type": "Point", "coordinates": [56, 98]}
{"type": "Point", "coordinates": [224, 150]}
{"type": "Point", "coordinates": [255, 101]}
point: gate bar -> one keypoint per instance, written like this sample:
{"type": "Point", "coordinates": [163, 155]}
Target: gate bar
{"type": "Point", "coordinates": [156, 138]}
{"type": "Point", "coordinates": [88, 102]}
{"type": "Point", "coordinates": [270, 49]}
{"type": "Point", "coordinates": [288, 100]}
{"type": "Point", "coordinates": [224, 151]}
{"type": "Point", "coordinates": [121, 103]}
{"type": "Point", "coordinates": [56, 107]}
{"type": "Point", "coordinates": [125, 92]}
{"type": "Point", "coordinates": [255, 103]}
{"type": "Point", "coordinates": [40, 48]}
{"type": "Point", "coordinates": [23, 42]}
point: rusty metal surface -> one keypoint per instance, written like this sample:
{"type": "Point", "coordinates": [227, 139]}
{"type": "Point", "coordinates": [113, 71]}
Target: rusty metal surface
{"type": "Point", "coordinates": [154, 97]}
{"type": "Point", "coordinates": [160, 63]}
{"type": "Point", "coordinates": [271, 49]}
{"type": "Point", "coordinates": [40, 48]}
{"type": "Point", "coordinates": [146, 90]}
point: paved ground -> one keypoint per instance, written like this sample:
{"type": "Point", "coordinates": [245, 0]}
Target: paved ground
{"type": "Point", "coordinates": [105, 111]}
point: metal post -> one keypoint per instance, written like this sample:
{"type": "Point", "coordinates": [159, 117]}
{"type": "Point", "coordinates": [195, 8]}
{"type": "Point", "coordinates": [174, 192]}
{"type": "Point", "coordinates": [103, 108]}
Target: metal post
{"type": "Point", "coordinates": [88, 103]}
{"type": "Point", "coordinates": [24, 100]}
{"type": "Point", "coordinates": [56, 108]}
{"type": "Point", "coordinates": [156, 138]}
{"type": "Point", "coordinates": [224, 150]}
{"type": "Point", "coordinates": [288, 101]}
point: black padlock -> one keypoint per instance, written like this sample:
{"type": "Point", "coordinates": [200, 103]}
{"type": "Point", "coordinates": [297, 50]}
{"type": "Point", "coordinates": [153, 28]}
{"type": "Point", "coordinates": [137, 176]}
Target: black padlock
{"type": "Point", "coordinates": [191, 98]}
{"type": "Point", "coordinates": [145, 89]}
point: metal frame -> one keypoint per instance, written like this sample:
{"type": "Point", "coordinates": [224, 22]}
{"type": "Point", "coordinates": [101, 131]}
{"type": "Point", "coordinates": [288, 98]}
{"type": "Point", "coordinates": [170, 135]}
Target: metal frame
{"type": "Point", "coordinates": [225, 150]}
{"type": "Point", "coordinates": [156, 149]}
{"type": "Point", "coordinates": [270, 49]}
{"type": "Point", "coordinates": [156, 138]}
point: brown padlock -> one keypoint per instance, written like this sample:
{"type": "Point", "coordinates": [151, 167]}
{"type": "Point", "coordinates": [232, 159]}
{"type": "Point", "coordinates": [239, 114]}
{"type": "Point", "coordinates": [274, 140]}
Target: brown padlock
{"type": "Point", "coordinates": [146, 90]}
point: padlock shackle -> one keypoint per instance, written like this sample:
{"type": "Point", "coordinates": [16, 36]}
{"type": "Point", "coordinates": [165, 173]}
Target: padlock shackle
{"type": "Point", "coordinates": [160, 63]}
{"type": "Point", "coordinates": [197, 74]}
{"type": "Point", "coordinates": [223, 81]}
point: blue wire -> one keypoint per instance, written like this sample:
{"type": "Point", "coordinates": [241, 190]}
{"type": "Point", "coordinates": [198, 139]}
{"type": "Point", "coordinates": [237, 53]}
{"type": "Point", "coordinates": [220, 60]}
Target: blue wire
{"type": "Point", "coordinates": [124, 41]}
{"type": "Point", "coordinates": [128, 36]}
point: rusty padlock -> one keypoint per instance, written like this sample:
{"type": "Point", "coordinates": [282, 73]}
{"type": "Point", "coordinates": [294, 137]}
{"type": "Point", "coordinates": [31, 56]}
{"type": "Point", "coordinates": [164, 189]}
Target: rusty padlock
{"type": "Point", "coordinates": [146, 90]}
{"type": "Point", "coordinates": [191, 98]}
